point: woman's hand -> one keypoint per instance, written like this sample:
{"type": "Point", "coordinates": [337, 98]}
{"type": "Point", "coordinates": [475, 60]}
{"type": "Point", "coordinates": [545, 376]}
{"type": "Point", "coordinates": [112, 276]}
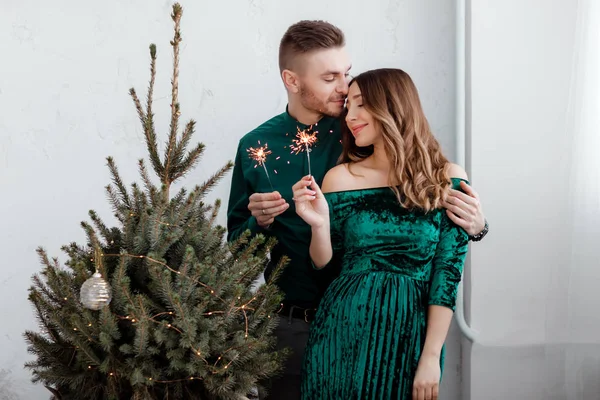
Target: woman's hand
{"type": "Point", "coordinates": [426, 385]}
{"type": "Point", "coordinates": [311, 205]}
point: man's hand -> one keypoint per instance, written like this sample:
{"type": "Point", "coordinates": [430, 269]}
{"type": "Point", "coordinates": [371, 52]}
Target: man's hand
{"type": "Point", "coordinates": [266, 206]}
{"type": "Point", "coordinates": [464, 209]}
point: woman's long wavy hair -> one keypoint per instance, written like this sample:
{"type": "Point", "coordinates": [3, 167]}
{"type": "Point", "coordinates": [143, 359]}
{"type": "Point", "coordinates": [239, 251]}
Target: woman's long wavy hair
{"type": "Point", "coordinates": [419, 171]}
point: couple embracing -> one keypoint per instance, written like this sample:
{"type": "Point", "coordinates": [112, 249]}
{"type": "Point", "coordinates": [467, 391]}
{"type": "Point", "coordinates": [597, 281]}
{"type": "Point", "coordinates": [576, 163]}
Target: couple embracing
{"type": "Point", "coordinates": [377, 233]}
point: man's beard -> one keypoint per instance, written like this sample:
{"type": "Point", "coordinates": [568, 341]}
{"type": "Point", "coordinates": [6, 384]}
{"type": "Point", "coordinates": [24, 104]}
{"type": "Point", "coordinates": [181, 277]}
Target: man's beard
{"type": "Point", "coordinates": [311, 102]}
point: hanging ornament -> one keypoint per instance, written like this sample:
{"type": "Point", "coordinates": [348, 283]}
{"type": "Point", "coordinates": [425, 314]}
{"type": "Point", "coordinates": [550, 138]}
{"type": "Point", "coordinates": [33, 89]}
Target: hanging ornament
{"type": "Point", "coordinates": [95, 293]}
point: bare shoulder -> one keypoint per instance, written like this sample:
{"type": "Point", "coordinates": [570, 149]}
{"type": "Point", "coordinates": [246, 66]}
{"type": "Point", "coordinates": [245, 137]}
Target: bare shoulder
{"type": "Point", "coordinates": [337, 179]}
{"type": "Point", "coordinates": [456, 171]}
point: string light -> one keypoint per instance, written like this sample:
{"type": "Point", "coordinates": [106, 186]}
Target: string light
{"type": "Point", "coordinates": [164, 265]}
{"type": "Point", "coordinates": [197, 352]}
{"type": "Point", "coordinates": [192, 378]}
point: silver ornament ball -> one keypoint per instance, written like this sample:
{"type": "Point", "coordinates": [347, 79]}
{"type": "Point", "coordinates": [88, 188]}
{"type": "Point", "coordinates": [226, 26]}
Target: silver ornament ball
{"type": "Point", "coordinates": [95, 293]}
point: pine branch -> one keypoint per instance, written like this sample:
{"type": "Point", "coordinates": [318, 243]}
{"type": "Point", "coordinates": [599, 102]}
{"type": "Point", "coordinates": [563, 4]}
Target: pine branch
{"type": "Point", "coordinates": [138, 107]}
{"type": "Point", "coordinates": [140, 342]}
{"type": "Point", "coordinates": [215, 214]}
{"type": "Point", "coordinates": [156, 227]}
{"type": "Point", "coordinates": [42, 315]}
{"type": "Point", "coordinates": [214, 179]}
{"type": "Point", "coordinates": [186, 136]}
{"type": "Point", "coordinates": [96, 246]}
{"type": "Point", "coordinates": [151, 190]}
{"type": "Point", "coordinates": [185, 287]}
{"type": "Point", "coordinates": [116, 178]}
{"type": "Point", "coordinates": [175, 112]}
{"type": "Point", "coordinates": [149, 120]}
{"type": "Point", "coordinates": [104, 231]}
{"type": "Point", "coordinates": [120, 282]}
{"type": "Point", "coordinates": [44, 291]}
{"type": "Point", "coordinates": [221, 258]}
{"type": "Point", "coordinates": [139, 200]}
{"type": "Point", "coordinates": [130, 227]}
{"type": "Point", "coordinates": [276, 273]}
{"type": "Point", "coordinates": [43, 256]}
{"type": "Point", "coordinates": [236, 246]}
{"type": "Point", "coordinates": [54, 282]}
{"type": "Point", "coordinates": [109, 329]}
{"type": "Point", "coordinates": [150, 135]}
{"type": "Point", "coordinates": [188, 162]}
{"type": "Point", "coordinates": [185, 209]}
{"type": "Point", "coordinates": [119, 210]}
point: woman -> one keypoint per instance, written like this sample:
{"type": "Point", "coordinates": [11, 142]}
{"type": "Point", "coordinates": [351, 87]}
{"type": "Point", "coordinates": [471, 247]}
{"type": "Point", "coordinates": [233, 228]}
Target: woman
{"type": "Point", "coordinates": [380, 328]}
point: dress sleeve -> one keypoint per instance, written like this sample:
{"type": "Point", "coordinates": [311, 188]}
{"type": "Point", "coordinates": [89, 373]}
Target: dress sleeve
{"type": "Point", "coordinates": [448, 262]}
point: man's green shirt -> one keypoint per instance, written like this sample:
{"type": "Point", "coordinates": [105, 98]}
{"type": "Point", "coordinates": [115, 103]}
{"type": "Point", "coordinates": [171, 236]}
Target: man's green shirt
{"type": "Point", "coordinates": [301, 284]}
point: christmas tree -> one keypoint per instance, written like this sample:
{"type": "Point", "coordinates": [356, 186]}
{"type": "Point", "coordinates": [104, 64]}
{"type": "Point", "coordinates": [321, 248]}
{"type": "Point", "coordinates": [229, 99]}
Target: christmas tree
{"type": "Point", "coordinates": [168, 309]}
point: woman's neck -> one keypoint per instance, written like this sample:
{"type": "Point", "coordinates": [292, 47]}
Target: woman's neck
{"type": "Point", "coordinates": [379, 159]}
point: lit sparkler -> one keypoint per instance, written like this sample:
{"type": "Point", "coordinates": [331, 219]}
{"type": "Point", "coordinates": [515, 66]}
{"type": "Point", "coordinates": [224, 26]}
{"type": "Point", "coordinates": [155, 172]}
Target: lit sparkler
{"type": "Point", "coordinates": [260, 156]}
{"type": "Point", "coordinates": [304, 139]}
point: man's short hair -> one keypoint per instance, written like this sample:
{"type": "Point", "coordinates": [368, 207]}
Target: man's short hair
{"type": "Point", "coordinates": [307, 36]}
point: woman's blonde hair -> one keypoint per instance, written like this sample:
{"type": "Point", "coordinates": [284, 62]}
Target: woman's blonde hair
{"type": "Point", "coordinates": [419, 171]}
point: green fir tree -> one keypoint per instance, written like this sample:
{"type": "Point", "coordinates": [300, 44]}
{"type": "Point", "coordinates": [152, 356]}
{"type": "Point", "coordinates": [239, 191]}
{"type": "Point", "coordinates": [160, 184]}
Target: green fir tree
{"type": "Point", "coordinates": [186, 320]}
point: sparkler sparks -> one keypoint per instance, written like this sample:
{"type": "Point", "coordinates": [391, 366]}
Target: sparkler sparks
{"type": "Point", "coordinates": [260, 156]}
{"type": "Point", "coordinates": [303, 141]}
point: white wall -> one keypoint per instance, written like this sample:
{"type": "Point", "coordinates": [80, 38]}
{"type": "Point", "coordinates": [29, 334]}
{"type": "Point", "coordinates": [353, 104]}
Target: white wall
{"type": "Point", "coordinates": [65, 70]}
{"type": "Point", "coordinates": [521, 59]}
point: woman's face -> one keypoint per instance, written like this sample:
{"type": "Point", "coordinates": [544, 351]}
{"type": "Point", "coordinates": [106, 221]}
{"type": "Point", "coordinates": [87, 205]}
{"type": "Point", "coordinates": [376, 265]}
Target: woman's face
{"type": "Point", "coordinates": [359, 120]}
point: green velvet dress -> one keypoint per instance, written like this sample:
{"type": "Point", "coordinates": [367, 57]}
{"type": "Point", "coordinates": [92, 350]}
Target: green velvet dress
{"type": "Point", "coordinates": [370, 328]}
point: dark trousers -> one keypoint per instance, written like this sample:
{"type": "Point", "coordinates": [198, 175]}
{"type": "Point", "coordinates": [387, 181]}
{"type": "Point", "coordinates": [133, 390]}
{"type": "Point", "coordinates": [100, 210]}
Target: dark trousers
{"type": "Point", "coordinates": [293, 334]}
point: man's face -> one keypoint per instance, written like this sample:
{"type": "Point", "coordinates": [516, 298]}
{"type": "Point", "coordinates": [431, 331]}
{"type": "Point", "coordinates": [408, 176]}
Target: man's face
{"type": "Point", "coordinates": [323, 81]}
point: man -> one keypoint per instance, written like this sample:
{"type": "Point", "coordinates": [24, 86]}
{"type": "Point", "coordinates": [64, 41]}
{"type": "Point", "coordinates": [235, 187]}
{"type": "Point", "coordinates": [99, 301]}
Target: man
{"type": "Point", "coordinates": [314, 68]}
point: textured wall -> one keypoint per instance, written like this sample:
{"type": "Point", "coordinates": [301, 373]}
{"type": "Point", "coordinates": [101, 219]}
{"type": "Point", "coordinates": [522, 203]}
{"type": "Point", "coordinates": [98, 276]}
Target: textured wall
{"type": "Point", "coordinates": [65, 70]}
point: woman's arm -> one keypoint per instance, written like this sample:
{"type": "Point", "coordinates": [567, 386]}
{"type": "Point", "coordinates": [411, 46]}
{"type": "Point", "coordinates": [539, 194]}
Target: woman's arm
{"type": "Point", "coordinates": [438, 323]}
{"type": "Point", "coordinates": [312, 207]}
{"type": "Point", "coordinates": [321, 251]}
{"type": "Point", "coordinates": [321, 246]}
{"type": "Point", "coordinates": [447, 271]}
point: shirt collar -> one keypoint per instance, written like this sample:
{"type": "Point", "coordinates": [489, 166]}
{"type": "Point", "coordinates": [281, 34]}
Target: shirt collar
{"type": "Point", "coordinates": [326, 119]}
